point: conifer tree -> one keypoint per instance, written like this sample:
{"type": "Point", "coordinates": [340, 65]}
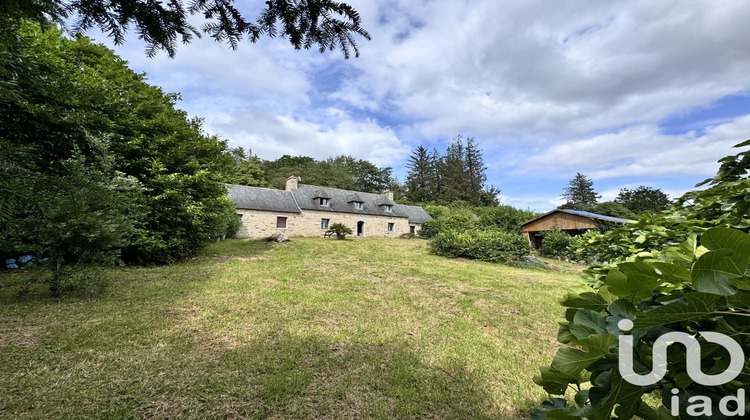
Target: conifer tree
{"type": "Point", "coordinates": [419, 180]}
{"type": "Point", "coordinates": [580, 194]}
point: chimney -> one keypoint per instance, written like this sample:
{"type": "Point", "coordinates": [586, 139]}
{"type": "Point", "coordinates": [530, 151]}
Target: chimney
{"type": "Point", "coordinates": [291, 182]}
{"type": "Point", "coordinates": [389, 194]}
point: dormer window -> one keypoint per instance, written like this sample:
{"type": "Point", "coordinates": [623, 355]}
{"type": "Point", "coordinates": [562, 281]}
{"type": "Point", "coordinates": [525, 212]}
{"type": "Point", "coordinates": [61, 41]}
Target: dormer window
{"type": "Point", "coordinates": [358, 205]}
{"type": "Point", "coordinates": [388, 208]}
{"type": "Point", "coordinates": [325, 202]}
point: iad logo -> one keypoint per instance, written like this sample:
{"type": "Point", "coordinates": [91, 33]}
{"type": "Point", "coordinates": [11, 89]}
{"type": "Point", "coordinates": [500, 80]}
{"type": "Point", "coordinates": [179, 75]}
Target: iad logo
{"type": "Point", "coordinates": [702, 404]}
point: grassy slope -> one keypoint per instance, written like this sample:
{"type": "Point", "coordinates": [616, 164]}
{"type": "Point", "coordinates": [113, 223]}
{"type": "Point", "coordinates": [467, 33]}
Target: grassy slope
{"type": "Point", "coordinates": [316, 328]}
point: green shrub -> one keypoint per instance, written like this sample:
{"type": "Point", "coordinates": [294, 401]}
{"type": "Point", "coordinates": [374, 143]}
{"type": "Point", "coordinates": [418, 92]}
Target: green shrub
{"type": "Point", "coordinates": [492, 246]}
{"type": "Point", "coordinates": [430, 228]}
{"type": "Point", "coordinates": [688, 289]}
{"type": "Point", "coordinates": [340, 230]}
{"type": "Point", "coordinates": [503, 217]}
{"type": "Point", "coordinates": [555, 243]}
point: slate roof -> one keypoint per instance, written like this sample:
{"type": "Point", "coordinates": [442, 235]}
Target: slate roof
{"type": "Point", "coordinates": [580, 213]}
{"type": "Point", "coordinates": [306, 197]}
{"type": "Point", "coordinates": [256, 198]}
{"type": "Point", "coordinates": [416, 214]}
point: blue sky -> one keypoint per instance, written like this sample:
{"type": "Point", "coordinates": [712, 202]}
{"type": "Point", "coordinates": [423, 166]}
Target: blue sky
{"type": "Point", "coordinates": [628, 93]}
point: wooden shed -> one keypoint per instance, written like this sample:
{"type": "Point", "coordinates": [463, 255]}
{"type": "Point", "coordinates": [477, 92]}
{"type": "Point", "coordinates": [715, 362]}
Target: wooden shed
{"type": "Point", "coordinates": [572, 222]}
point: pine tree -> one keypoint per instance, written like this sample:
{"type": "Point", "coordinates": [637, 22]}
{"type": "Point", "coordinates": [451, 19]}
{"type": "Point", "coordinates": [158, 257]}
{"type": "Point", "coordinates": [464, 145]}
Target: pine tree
{"type": "Point", "coordinates": [419, 180]}
{"type": "Point", "coordinates": [454, 173]}
{"type": "Point", "coordinates": [580, 194]}
{"type": "Point", "coordinates": [476, 172]}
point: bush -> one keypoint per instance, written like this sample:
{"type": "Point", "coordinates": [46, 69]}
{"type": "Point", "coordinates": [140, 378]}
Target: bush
{"type": "Point", "coordinates": [340, 229]}
{"type": "Point", "coordinates": [430, 228]}
{"type": "Point", "coordinates": [492, 246]}
{"type": "Point", "coordinates": [677, 291]}
{"type": "Point", "coordinates": [503, 217]}
{"type": "Point", "coordinates": [555, 244]}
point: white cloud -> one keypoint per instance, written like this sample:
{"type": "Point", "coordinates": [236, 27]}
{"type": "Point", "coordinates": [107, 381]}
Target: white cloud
{"type": "Point", "coordinates": [643, 151]}
{"type": "Point", "coordinates": [500, 68]}
{"type": "Point", "coordinates": [270, 136]}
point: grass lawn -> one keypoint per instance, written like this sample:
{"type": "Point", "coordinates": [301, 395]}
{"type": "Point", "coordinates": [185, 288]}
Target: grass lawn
{"type": "Point", "coordinates": [315, 328]}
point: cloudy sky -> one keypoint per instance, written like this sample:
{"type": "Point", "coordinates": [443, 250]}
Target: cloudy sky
{"type": "Point", "coordinates": [626, 92]}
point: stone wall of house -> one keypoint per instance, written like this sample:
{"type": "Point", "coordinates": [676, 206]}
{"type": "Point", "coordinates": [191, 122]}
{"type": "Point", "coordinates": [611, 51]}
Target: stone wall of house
{"type": "Point", "coordinates": [259, 224]}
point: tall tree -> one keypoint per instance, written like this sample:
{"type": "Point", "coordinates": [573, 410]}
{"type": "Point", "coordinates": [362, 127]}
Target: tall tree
{"type": "Point", "coordinates": [326, 24]}
{"type": "Point", "coordinates": [366, 176]}
{"type": "Point", "coordinates": [420, 180]}
{"type": "Point", "coordinates": [63, 97]}
{"type": "Point", "coordinates": [454, 172]}
{"type": "Point", "coordinates": [476, 172]}
{"type": "Point", "coordinates": [643, 199]}
{"type": "Point", "coordinates": [580, 194]}
{"type": "Point", "coordinates": [247, 169]}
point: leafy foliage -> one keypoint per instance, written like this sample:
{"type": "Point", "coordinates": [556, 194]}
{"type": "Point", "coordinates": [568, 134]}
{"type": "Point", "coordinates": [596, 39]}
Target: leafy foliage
{"type": "Point", "coordinates": [643, 199]}
{"type": "Point", "coordinates": [325, 23]}
{"type": "Point", "coordinates": [555, 243]}
{"type": "Point", "coordinates": [344, 172]}
{"type": "Point", "coordinates": [92, 156]}
{"type": "Point", "coordinates": [340, 230]}
{"type": "Point", "coordinates": [687, 288]}
{"type": "Point", "coordinates": [614, 209]}
{"type": "Point", "coordinates": [482, 245]}
{"type": "Point", "coordinates": [684, 270]}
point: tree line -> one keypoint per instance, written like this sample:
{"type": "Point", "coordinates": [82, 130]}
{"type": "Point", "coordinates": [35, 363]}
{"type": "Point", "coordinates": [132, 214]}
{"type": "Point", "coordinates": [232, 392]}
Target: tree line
{"type": "Point", "coordinates": [579, 194]}
{"type": "Point", "coordinates": [344, 172]}
{"type": "Point", "coordinates": [457, 175]}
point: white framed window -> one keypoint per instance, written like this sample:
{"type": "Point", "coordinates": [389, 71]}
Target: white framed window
{"type": "Point", "coordinates": [391, 227]}
{"type": "Point", "coordinates": [281, 222]}
{"type": "Point", "coordinates": [388, 208]}
{"type": "Point", "coordinates": [324, 223]}
{"type": "Point", "coordinates": [325, 202]}
{"type": "Point", "coordinates": [358, 205]}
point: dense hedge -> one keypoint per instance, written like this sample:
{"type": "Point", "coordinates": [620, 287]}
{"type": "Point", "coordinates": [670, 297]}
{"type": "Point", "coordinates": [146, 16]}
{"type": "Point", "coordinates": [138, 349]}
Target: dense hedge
{"type": "Point", "coordinates": [492, 246]}
{"type": "Point", "coordinates": [555, 244]}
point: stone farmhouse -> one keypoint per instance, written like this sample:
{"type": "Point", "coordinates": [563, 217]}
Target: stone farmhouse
{"type": "Point", "coordinates": [308, 210]}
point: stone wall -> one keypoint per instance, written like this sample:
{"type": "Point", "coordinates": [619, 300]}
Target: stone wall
{"type": "Point", "coordinates": [259, 224]}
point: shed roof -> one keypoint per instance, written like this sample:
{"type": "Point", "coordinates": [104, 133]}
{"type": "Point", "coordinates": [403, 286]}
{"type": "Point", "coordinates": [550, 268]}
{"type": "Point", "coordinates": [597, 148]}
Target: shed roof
{"type": "Point", "coordinates": [582, 213]}
{"type": "Point", "coordinates": [256, 198]}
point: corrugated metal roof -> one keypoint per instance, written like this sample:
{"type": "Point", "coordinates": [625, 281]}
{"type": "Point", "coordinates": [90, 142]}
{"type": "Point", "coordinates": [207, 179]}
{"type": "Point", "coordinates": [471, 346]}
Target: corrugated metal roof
{"type": "Point", "coordinates": [256, 198]}
{"type": "Point", "coordinates": [596, 216]}
{"type": "Point", "coordinates": [579, 213]}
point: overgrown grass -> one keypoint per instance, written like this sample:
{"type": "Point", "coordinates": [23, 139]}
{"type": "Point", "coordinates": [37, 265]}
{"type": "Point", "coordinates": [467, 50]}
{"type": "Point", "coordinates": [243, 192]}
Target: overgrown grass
{"type": "Point", "coordinates": [315, 328]}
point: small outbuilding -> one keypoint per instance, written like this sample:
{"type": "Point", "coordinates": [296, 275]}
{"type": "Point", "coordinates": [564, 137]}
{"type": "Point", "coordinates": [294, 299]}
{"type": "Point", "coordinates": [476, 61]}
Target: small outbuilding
{"type": "Point", "coordinates": [572, 222]}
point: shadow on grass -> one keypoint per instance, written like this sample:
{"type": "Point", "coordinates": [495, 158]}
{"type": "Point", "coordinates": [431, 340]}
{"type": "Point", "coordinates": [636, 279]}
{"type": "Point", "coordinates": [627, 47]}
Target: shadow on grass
{"type": "Point", "coordinates": [307, 377]}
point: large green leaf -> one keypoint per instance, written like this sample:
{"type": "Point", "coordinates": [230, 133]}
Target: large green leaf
{"type": "Point", "coordinates": [698, 305]}
{"type": "Point", "coordinates": [553, 381]}
{"type": "Point", "coordinates": [586, 300]}
{"type": "Point", "coordinates": [572, 361]}
{"type": "Point", "coordinates": [624, 395]}
{"type": "Point", "coordinates": [729, 259]}
{"type": "Point", "coordinates": [714, 272]}
{"type": "Point", "coordinates": [637, 288]}
{"type": "Point", "coordinates": [586, 323]}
